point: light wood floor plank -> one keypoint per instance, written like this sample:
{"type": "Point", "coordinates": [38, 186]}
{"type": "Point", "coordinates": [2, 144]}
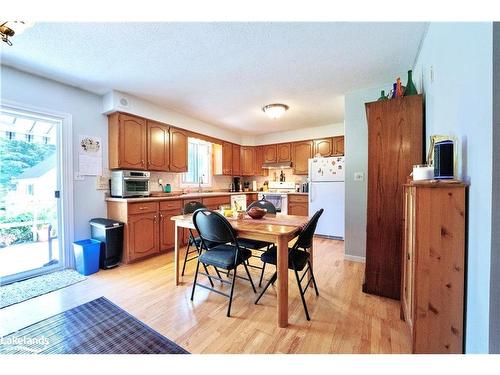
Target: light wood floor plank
{"type": "Point", "coordinates": [344, 319]}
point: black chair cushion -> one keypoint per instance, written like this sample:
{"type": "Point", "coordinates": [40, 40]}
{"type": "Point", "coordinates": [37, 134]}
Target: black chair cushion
{"type": "Point", "coordinates": [298, 257]}
{"type": "Point", "coordinates": [253, 244]}
{"type": "Point", "coordinates": [222, 256]}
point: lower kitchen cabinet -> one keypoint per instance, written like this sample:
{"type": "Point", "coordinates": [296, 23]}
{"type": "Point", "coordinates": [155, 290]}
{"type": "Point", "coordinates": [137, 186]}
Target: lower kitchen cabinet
{"type": "Point", "coordinates": [298, 205]}
{"type": "Point", "coordinates": [148, 228]}
{"type": "Point", "coordinates": [143, 235]}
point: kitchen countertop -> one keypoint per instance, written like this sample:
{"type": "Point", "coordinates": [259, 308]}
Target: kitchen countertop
{"type": "Point", "coordinates": [174, 196]}
{"type": "Point", "coordinates": [178, 196]}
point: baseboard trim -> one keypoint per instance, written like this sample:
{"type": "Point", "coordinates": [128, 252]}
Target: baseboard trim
{"type": "Point", "coordinates": [354, 258]}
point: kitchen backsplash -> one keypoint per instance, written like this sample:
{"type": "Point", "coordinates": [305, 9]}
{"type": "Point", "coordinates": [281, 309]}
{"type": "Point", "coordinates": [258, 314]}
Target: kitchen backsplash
{"type": "Point", "coordinates": [220, 182]}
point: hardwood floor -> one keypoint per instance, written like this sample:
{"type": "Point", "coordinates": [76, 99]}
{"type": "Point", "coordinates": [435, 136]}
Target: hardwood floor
{"type": "Point", "coordinates": [344, 319]}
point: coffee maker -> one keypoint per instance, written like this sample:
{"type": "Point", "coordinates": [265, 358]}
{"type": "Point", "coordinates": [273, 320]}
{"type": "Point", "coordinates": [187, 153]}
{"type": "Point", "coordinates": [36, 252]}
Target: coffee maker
{"type": "Point", "coordinates": [237, 184]}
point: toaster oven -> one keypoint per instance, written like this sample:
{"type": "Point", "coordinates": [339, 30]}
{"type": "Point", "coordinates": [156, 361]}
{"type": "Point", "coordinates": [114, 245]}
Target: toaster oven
{"type": "Point", "coordinates": [129, 184]}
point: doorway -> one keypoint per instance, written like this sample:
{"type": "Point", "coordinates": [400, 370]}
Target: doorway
{"type": "Point", "coordinates": [31, 227]}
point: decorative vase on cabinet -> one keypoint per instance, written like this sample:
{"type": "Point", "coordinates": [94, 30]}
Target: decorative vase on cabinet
{"type": "Point", "coordinates": [410, 87]}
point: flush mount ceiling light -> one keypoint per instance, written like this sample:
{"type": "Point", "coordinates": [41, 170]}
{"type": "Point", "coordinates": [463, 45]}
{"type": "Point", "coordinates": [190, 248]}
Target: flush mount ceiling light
{"type": "Point", "coordinates": [10, 28]}
{"type": "Point", "coordinates": [275, 110]}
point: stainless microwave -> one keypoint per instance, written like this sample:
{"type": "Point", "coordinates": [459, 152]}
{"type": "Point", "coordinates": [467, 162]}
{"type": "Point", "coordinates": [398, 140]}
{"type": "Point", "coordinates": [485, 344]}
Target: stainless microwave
{"type": "Point", "coordinates": [129, 184]}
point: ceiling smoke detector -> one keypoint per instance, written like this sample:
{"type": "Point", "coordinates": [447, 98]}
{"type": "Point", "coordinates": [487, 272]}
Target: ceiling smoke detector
{"type": "Point", "coordinates": [275, 110]}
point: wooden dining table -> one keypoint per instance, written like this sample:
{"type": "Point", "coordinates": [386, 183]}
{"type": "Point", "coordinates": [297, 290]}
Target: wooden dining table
{"type": "Point", "coordinates": [278, 229]}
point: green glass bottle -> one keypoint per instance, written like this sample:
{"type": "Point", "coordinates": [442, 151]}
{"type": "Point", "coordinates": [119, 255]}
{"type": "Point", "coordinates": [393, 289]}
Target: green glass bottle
{"type": "Point", "coordinates": [382, 96]}
{"type": "Point", "coordinates": [410, 87]}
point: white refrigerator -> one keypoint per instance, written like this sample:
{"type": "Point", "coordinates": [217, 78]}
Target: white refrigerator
{"type": "Point", "coordinates": [326, 190]}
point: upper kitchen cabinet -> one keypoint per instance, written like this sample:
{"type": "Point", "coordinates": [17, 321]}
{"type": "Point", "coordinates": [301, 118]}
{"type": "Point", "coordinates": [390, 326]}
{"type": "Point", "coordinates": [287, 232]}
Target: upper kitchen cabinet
{"type": "Point", "coordinates": [301, 153]}
{"type": "Point", "coordinates": [247, 161]}
{"type": "Point", "coordinates": [227, 159]}
{"type": "Point", "coordinates": [338, 146]}
{"type": "Point", "coordinates": [158, 146]}
{"type": "Point", "coordinates": [127, 142]}
{"type": "Point", "coordinates": [270, 154]}
{"type": "Point", "coordinates": [178, 150]}
{"type": "Point", "coordinates": [284, 151]}
{"type": "Point", "coordinates": [259, 159]}
{"type": "Point", "coordinates": [323, 147]}
{"type": "Point", "coordinates": [236, 160]}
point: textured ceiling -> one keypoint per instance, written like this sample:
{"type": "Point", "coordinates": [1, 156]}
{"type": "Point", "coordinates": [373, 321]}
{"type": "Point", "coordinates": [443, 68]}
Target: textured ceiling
{"type": "Point", "coordinates": [223, 73]}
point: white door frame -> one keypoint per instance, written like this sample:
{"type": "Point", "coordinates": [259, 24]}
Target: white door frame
{"type": "Point", "coordinates": [65, 163]}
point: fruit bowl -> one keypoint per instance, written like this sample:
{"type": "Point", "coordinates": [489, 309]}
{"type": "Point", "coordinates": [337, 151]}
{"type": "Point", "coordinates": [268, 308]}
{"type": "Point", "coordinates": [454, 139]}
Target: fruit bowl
{"type": "Point", "coordinates": [257, 212]}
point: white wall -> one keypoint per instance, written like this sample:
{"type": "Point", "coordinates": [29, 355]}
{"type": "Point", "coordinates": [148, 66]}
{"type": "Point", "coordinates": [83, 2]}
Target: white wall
{"type": "Point", "coordinates": [330, 130]}
{"type": "Point", "coordinates": [458, 101]}
{"type": "Point", "coordinates": [356, 150]}
{"type": "Point", "coordinates": [87, 119]}
{"type": "Point", "coordinates": [141, 107]}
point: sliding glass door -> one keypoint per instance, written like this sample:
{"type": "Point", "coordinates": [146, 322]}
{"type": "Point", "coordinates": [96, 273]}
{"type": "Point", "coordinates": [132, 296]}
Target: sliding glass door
{"type": "Point", "coordinates": [30, 205]}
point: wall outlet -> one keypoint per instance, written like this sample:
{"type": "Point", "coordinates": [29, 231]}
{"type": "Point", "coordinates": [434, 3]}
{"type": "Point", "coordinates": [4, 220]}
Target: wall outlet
{"type": "Point", "coordinates": [102, 183]}
{"type": "Point", "coordinates": [78, 177]}
{"type": "Point", "coordinates": [359, 176]}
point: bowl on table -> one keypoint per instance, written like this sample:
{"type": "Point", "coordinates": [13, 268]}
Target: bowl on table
{"type": "Point", "coordinates": [257, 212]}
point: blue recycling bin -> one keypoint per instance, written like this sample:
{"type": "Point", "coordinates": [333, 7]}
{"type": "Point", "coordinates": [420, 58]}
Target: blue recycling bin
{"type": "Point", "coordinates": [87, 256]}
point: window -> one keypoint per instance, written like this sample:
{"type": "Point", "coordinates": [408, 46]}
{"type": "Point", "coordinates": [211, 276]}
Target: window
{"type": "Point", "coordinates": [199, 163]}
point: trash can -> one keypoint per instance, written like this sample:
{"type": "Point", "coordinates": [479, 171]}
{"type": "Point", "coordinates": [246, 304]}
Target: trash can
{"type": "Point", "coordinates": [110, 233]}
{"type": "Point", "coordinates": [87, 256]}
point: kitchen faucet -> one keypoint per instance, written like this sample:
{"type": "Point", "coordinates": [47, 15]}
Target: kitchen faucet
{"type": "Point", "coordinates": [200, 181]}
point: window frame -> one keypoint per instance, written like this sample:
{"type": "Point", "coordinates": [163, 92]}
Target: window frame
{"type": "Point", "coordinates": [208, 181]}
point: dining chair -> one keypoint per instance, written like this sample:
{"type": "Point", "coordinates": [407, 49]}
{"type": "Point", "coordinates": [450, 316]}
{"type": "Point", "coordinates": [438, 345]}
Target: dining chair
{"type": "Point", "coordinates": [256, 244]}
{"type": "Point", "coordinates": [298, 259]}
{"type": "Point", "coordinates": [193, 240]}
{"type": "Point", "coordinates": [225, 252]}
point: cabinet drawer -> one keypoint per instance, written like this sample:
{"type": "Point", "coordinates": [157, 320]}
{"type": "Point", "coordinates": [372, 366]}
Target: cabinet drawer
{"type": "Point", "coordinates": [292, 198]}
{"type": "Point", "coordinates": [175, 205]}
{"type": "Point", "coordinates": [216, 201]}
{"type": "Point", "coordinates": [140, 208]}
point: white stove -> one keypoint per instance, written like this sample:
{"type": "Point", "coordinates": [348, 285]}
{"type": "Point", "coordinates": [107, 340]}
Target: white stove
{"type": "Point", "coordinates": [277, 194]}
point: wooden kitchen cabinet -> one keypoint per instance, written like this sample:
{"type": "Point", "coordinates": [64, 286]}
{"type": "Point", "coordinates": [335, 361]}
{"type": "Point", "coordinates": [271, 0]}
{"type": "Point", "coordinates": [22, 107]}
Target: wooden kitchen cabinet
{"type": "Point", "coordinates": [284, 151]}
{"type": "Point", "coordinates": [178, 150]}
{"type": "Point", "coordinates": [126, 142]}
{"type": "Point", "coordinates": [433, 272]}
{"type": "Point", "coordinates": [301, 153]}
{"type": "Point", "coordinates": [148, 229]}
{"type": "Point", "coordinates": [158, 146]}
{"type": "Point", "coordinates": [395, 144]}
{"type": "Point", "coordinates": [338, 146]}
{"type": "Point", "coordinates": [270, 153]}
{"type": "Point", "coordinates": [227, 159]}
{"type": "Point", "coordinates": [236, 155]}
{"type": "Point", "coordinates": [298, 204]}
{"type": "Point", "coordinates": [323, 147]}
{"type": "Point", "coordinates": [259, 160]}
{"type": "Point", "coordinates": [247, 161]}
{"type": "Point", "coordinates": [143, 235]}
{"type": "Point", "coordinates": [252, 198]}
{"type": "Point", "coordinates": [214, 203]}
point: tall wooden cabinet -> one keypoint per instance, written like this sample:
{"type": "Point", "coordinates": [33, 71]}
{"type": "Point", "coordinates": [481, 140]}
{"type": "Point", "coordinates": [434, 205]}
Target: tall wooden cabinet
{"type": "Point", "coordinates": [227, 159]}
{"type": "Point", "coordinates": [247, 161]}
{"type": "Point", "coordinates": [432, 287]}
{"type": "Point", "coordinates": [395, 144]}
{"type": "Point", "coordinates": [301, 153]}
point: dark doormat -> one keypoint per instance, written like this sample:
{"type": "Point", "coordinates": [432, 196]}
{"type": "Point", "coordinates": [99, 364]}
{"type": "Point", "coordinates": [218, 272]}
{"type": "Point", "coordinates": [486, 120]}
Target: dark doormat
{"type": "Point", "coordinates": [96, 327]}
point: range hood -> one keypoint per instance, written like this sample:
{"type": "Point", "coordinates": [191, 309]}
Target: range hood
{"type": "Point", "coordinates": [282, 165]}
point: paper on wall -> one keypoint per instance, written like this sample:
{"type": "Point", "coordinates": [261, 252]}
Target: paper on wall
{"type": "Point", "coordinates": [89, 155]}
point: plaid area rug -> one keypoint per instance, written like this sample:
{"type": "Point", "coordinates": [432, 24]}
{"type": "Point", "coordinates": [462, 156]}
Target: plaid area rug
{"type": "Point", "coordinates": [96, 327]}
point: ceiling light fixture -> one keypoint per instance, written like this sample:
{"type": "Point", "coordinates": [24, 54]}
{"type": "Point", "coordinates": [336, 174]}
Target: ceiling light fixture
{"type": "Point", "coordinates": [275, 110]}
{"type": "Point", "coordinates": [10, 28]}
